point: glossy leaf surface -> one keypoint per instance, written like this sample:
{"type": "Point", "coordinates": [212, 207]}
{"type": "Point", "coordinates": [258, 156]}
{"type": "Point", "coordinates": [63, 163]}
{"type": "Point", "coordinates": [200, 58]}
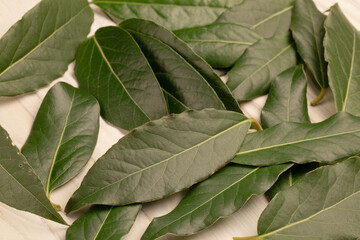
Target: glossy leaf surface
{"type": "Point", "coordinates": [342, 51]}
{"type": "Point", "coordinates": [286, 101]}
{"type": "Point", "coordinates": [176, 75]}
{"type": "Point", "coordinates": [103, 223]}
{"type": "Point", "coordinates": [152, 29]}
{"type": "Point", "coordinates": [254, 71]}
{"type": "Point", "coordinates": [266, 17]}
{"type": "Point", "coordinates": [39, 47]}
{"type": "Point", "coordinates": [63, 135]}
{"type": "Point", "coordinates": [335, 138]}
{"type": "Point", "coordinates": [221, 195]}
{"type": "Point", "coordinates": [19, 185]}
{"type": "Point", "coordinates": [162, 157]}
{"type": "Point", "coordinates": [220, 44]}
{"type": "Point", "coordinates": [307, 27]}
{"type": "Point", "coordinates": [112, 67]}
{"type": "Point", "coordinates": [173, 14]}
{"type": "Point", "coordinates": [324, 204]}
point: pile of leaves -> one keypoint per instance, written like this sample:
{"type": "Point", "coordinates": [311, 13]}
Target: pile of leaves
{"type": "Point", "coordinates": [152, 74]}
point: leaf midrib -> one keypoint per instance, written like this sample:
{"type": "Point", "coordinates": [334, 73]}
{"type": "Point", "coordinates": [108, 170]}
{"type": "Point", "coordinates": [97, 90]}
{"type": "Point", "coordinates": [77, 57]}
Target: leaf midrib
{"type": "Point", "coordinates": [271, 17]}
{"type": "Point", "coordinates": [156, 4]}
{"type": "Point", "coordinates": [103, 222]}
{"type": "Point", "coordinates": [295, 142]}
{"type": "Point", "coordinates": [43, 42]}
{"type": "Point", "coordinates": [351, 72]}
{"type": "Point", "coordinates": [163, 161]}
{"type": "Point", "coordinates": [218, 41]}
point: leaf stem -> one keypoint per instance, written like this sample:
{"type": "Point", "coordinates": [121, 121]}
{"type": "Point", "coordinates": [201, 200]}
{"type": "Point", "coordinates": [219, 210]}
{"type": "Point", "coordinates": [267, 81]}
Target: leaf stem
{"type": "Point", "coordinates": [56, 206]}
{"type": "Point", "coordinates": [247, 238]}
{"type": "Point", "coordinates": [256, 124]}
{"type": "Point", "coordinates": [319, 98]}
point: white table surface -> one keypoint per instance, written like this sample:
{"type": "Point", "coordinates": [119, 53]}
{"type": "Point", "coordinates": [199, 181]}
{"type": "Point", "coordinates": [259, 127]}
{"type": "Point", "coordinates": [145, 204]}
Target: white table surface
{"type": "Point", "coordinates": [17, 115]}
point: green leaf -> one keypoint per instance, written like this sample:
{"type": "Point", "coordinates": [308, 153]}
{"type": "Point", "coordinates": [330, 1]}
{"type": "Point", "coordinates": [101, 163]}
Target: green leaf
{"type": "Point", "coordinates": [173, 14]}
{"type": "Point", "coordinates": [112, 67]}
{"type": "Point", "coordinates": [220, 44]}
{"type": "Point", "coordinates": [63, 135]}
{"type": "Point", "coordinates": [335, 138]}
{"type": "Point", "coordinates": [174, 105]}
{"type": "Point", "coordinates": [290, 177]}
{"type": "Point", "coordinates": [221, 195]}
{"type": "Point", "coordinates": [39, 47]}
{"type": "Point", "coordinates": [324, 204]}
{"type": "Point", "coordinates": [152, 29]}
{"type": "Point", "coordinates": [162, 157]}
{"type": "Point", "coordinates": [20, 187]}
{"type": "Point", "coordinates": [103, 222]}
{"type": "Point", "coordinates": [342, 51]}
{"type": "Point", "coordinates": [176, 75]}
{"type": "Point", "coordinates": [260, 64]}
{"type": "Point", "coordinates": [287, 99]}
{"type": "Point", "coordinates": [266, 17]}
{"type": "Point", "coordinates": [307, 27]}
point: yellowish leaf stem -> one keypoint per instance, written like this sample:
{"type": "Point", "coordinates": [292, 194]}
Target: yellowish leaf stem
{"type": "Point", "coordinates": [319, 98]}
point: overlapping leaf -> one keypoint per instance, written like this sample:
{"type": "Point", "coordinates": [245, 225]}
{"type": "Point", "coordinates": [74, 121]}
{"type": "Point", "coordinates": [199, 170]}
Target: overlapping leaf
{"type": "Point", "coordinates": [19, 185]}
{"type": "Point", "coordinates": [173, 14]}
{"type": "Point", "coordinates": [104, 222]}
{"type": "Point", "coordinates": [63, 136]}
{"type": "Point", "coordinates": [221, 195]}
{"type": "Point", "coordinates": [324, 204]}
{"type": "Point", "coordinates": [254, 71]}
{"type": "Point", "coordinates": [266, 17]}
{"type": "Point", "coordinates": [307, 27]}
{"type": "Point", "coordinates": [38, 48]}
{"type": "Point", "coordinates": [342, 51]}
{"type": "Point", "coordinates": [335, 138]}
{"type": "Point", "coordinates": [153, 30]}
{"type": "Point", "coordinates": [162, 157]}
{"type": "Point", "coordinates": [220, 44]}
{"type": "Point", "coordinates": [286, 101]}
{"type": "Point", "coordinates": [112, 67]}
{"type": "Point", "coordinates": [174, 105]}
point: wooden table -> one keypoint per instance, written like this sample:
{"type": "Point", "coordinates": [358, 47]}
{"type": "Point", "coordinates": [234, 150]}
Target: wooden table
{"type": "Point", "coordinates": [17, 115]}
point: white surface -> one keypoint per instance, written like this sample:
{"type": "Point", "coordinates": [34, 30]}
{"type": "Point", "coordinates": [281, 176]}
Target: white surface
{"type": "Point", "coordinates": [17, 115]}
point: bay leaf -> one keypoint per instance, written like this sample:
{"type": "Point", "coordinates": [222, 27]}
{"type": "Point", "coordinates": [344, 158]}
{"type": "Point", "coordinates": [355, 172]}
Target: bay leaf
{"type": "Point", "coordinates": [260, 64]}
{"type": "Point", "coordinates": [103, 222]}
{"type": "Point", "coordinates": [342, 52]}
{"type": "Point", "coordinates": [307, 27]}
{"type": "Point", "coordinates": [20, 187]}
{"type": "Point", "coordinates": [286, 101]}
{"type": "Point", "coordinates": [177, 76]}
{"type": "Point", "coordinates": [220, 44]}
{"type": "Point", "coordinates": [152, 29]}
{"type": "Point", "coordinates": [63, 135]}
{"type": "Point", "coordinates": [324, 204]}
{"type": "Point", "coordinates": [219, 196]}
{"type": "Point", "coordinates": [111, 67]}
{"type": "Point", "coordinates": [162, 157]}
{"type": "Point", "coordinates": [266, 17]}
{"type": "Point", "coordinates": [173, 14]}
{"type": "Point", "coordinates": [335, 138]}
{"type": "Point", "coordinates": [174, 105]}
{"type": "Point", "coordinates": [39, 47]}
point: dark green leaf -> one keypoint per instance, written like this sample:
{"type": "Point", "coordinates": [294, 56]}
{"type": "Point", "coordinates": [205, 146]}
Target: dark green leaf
{"type": "Point", "coordinates": [342, 51]}
{"type": "Point", "coordinates": [266, 17]}
{"type": "Point", "coordinates": [260, 64]}
{"type": "Point", "coordinates": [112, 67]}
{"type": "Point", "coordinates": [176, 75]}
{"type": "Point", "coordinates": [307, 27]}
{"type": "Point", "coordinates": [38, 48]}
{"type": "Point", "coordinates": [221, 195]}
{"type": "Point", "coordinates": [104, 223]}
{"type": "Point", "coordinates": [63, 136]}
{"type": "Point", "coordinates": [287, 99]}
{"type": "Point", "coordinates": [220, 44]}
{"type": "Point", "coordinates": [335, 138]}
{"type": "Point", "coordinates": [20, 187]}
{"type": "Point", "coordinates": [324, 204]}
{"type": "Point", "coordinates": [174, 105]}
{"type": "Point", "coordinates": [167, 37]}
{"type": "Point", "coordinates": [173, 14]}
{"type": "Point", "coordinates": [162, 157]}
